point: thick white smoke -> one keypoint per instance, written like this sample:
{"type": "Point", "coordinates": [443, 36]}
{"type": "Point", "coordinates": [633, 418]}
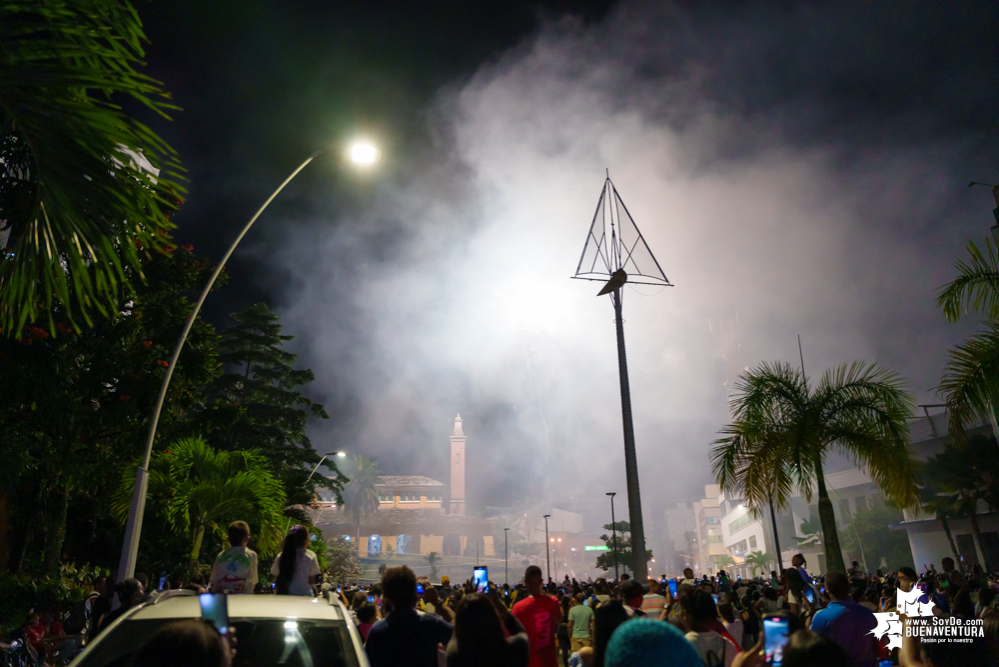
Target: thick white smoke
{"type": "Point", "coordinates": [451, 292]}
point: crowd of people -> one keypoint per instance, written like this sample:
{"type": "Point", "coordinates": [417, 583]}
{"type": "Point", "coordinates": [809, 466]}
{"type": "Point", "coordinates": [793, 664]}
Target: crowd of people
{"type": "Point", "coordinates": [712, 621]}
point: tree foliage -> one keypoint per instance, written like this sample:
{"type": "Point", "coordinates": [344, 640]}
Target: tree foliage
{"type": "Point", "coordinates": [198, 488]}
{"type": "Point", "coordinates": [759, 560]}
{"type": "Point", "coordinates": [360, 497]}
{"type": "Point", "coordinates": [879, 542]}
{"type": "Point", "coordinates": [605, 561]}
{"type": "Point", "coordinates": [258, 404]}
{"type": "Point", "coordinates": [342, 564]}
{"type": "Point", "coordinates": [959, 481]}
{"type": "Point", "coordinates": [79, 208]}
{"type": "Point", "coordinates": [970, 383]}
{"type": "Point", "coordinates": [75, 406]}
{"type": "Point", "coordinates": [782, 431]}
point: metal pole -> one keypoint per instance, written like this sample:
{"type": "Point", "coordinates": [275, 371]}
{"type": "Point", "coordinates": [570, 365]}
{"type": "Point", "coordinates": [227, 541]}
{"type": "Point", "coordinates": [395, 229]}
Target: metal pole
{"type": "Point", "coordinates": [639, 564]}
{"type": "Point", "coordinates": [548, 553]}
{"type": "Point", "coordinates": [133, 531]}
{"type": "Point", "coordinates": [506, 555]}
{"type": "Point", "coordinates": [614, 532]}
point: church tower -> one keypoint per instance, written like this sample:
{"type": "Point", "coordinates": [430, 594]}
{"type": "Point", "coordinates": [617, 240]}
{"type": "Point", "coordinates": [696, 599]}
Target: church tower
{"type": "Point", "coordinates": [457, 468]}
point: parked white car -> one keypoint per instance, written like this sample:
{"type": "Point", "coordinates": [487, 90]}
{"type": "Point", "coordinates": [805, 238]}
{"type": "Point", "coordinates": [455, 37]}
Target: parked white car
{"type": "Point", "coordinates": [284, 630]}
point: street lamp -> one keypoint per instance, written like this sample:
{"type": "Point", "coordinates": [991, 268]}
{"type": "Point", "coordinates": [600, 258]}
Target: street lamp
{"type": "Point", "coordinates": [614, 531]}
{"type": "Point", "coordinates": [506, 553]}
{"type": "Point", "coordinates": [358, 155]}
{"type": "Point", "coordinates": [325, 456]}
{"type": "Point", "coordinates": [548, 555]}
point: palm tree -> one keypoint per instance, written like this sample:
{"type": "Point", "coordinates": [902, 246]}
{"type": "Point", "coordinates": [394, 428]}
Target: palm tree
{"type": "Point", "coordinates": [783, 430]}
{"type": "Point", "coordinates": [721, 562]}
{"type": "Point", "coordinates": [811, 530]}
{"type": "Point", "coordinates": [959, 480]}
{"type": "Point", "coordinates": [85, 190]}
{"type": "Point", "coordinates": [970, 383]}
{"type": "Point", "coordinates": [758, 559]}
{"type": "Point", "coordinates": [940, 505]}
{"type": "Point", "coordinates": [200, 488]}
{"type": "Point", "coordinates": [360, 496]}
{"type": "Point", "coordinates": [433, 557]}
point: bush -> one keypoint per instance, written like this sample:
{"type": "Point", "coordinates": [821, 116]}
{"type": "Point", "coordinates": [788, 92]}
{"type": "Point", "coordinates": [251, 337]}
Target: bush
{"type": "Point", "coordinates": [20, 593]}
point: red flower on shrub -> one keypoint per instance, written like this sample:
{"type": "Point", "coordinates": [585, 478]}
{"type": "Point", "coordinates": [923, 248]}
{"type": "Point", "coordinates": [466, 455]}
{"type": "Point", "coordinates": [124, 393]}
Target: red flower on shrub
{"type": "Point", "coordinates": [188, 248]}
{"type": "Point", "coordinates": [39, 333]}
{"type": "Point", "coordinates": [162, 363]}
{"type": "Point", "coordinates": [124, 397]}
{"type": "Point", "coordinates": [147, 343]}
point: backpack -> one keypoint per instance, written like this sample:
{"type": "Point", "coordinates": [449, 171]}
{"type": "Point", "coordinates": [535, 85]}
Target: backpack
{"type": "Point", "coordinates": [78, 618]}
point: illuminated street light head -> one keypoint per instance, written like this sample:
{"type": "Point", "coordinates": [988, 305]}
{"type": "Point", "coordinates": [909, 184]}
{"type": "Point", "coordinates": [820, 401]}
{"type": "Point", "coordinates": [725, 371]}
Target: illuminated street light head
{"type": "Point", "coordinates": [363, 152]}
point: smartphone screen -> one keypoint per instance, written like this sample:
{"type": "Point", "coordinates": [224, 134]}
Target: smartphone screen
{"type": "Point", "coordinates": [715, 596]}
{"type": "Point", "coordinates": [672, 587]}
{"type": "Point", "coordinates": [774, 639]}
{"type": "Point", "coordinates": [419, 589]}
{"type": "Point", "coordinates": [215, 610]}
{"type": "Point", "coordinates": [163, 581]}
{"type": "Point", "coordinates": [809, 595]}
{"type": "Point", "coordinates": [480, 578]}
{"type": "Point", "coordinates": [371, 598]}
{"type": "Point", "coordinates": [338, 589]}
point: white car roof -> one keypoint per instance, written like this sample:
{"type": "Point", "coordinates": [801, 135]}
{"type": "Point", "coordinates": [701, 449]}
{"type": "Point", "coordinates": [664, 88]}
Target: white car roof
{"type": "Point", "coordinates": [244, 606]}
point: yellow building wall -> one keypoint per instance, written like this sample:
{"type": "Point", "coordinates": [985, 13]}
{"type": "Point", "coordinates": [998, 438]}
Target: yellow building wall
{"type": "Point", "coordinates": [430, 543]}
{"type": "Point", "coordinates": [488, 546]}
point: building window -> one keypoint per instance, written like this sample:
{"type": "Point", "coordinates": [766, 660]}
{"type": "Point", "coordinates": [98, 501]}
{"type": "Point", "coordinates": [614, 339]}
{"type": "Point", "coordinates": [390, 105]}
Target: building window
{"type": "Point", "coordinates": [741, 522]}
{"type": "Point", "coordinates": [408, 498]}
{"type": "Point", "coordinates": [752, 541]}
{"type": "Point", "coordinates": [384, 497]}
{"type": "Point", "coordinates": [434, 499]}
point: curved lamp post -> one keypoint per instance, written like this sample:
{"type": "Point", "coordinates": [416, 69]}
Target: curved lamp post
{"type": "Point", "coordinates": [359, 153]}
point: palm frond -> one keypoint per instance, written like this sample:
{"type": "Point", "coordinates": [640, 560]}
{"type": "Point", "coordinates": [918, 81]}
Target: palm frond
{"type": "Point", "coordinates": [970, 384]}
{"type": "Point", "coordinates": [80, 207]}
{"type": "Point", "coordinates": [864, 411]}
{"type": "Point", "coordinates": [976, 287]}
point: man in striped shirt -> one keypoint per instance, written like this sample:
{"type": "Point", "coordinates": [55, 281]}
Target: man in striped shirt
{"type": "Point", "coordinates": [652, 602]}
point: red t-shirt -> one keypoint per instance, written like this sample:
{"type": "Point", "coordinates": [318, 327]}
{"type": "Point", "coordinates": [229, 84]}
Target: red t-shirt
{"type": "Point", "coordinates": [34, 634]}
{"type": "Point", "coordinates": [540, 616]}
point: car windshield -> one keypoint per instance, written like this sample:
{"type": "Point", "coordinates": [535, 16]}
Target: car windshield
{"type": "Point", "coordinates": [260, 643]}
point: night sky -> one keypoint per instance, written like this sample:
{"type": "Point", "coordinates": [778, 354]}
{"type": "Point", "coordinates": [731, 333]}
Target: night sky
{"type": "Point", "coordinates": [797, 168]}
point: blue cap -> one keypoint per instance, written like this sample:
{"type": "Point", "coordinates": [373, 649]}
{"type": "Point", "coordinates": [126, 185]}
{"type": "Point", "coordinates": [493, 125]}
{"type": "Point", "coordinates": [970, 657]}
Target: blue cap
{"type": "Point", "coordinates": [644, 642]}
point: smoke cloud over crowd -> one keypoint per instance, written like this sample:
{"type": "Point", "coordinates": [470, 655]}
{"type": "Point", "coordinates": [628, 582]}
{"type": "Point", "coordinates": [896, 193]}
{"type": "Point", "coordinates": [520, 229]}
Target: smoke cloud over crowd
{"type": "Point", "coordinates": [785, 185]}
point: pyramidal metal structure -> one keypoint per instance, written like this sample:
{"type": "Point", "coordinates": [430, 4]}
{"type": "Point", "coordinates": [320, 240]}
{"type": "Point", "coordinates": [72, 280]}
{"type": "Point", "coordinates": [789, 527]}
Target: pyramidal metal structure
{"type": "Point", "coordinates": [615, 243]}
{"type": "Point", "coordinates": [616, 253]}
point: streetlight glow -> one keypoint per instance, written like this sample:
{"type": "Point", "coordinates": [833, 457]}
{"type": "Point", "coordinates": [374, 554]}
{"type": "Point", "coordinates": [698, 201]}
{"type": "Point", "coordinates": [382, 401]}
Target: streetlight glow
{"type": "Point", "coordinates": [363, 152]}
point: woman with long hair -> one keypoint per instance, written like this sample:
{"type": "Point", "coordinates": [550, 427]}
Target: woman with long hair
{"type": "Point", "coordinates": [478, 639]}
{"type": "Point", "coordinates": [607, 616]}
{"type": "Point", "coordinates": [296, 566]}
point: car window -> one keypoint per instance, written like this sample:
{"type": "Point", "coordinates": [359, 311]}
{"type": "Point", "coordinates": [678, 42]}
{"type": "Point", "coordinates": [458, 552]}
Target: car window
{"type": "Point", "coordinates": [260, 643]}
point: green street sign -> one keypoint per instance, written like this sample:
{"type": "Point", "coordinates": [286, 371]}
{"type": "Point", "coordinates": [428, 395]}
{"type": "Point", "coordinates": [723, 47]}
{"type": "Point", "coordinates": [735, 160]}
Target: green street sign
{"type": "Point", "coordinates": [602, 547]}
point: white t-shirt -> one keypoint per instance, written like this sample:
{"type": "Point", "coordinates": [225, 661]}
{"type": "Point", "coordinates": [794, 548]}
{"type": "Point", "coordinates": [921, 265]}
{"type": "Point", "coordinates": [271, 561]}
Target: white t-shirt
{"type": "Point", "coordinates": [306, 565]}
{"type": "Point", "coordinates": [712, 648]}
{"type": "Point", "coordinates": [736, 629]}
{"type": "Point", "coordinates": [234, 571]}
